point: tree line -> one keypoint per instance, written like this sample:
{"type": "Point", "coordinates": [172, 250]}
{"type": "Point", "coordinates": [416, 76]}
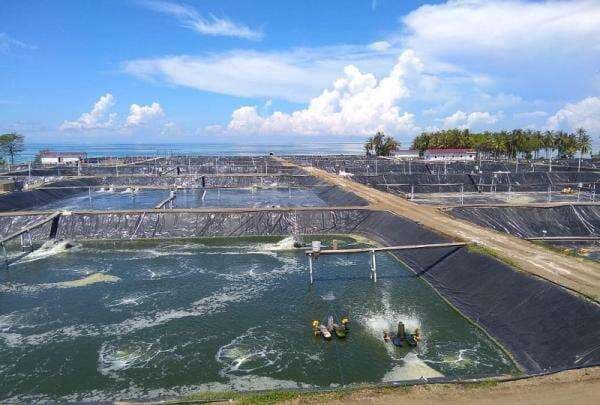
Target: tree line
{"type": "Point", "coordinates": [508, 144]}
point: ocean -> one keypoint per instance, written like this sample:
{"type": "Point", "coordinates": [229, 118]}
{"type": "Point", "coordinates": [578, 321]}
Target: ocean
{"type": "Point", "coordinates": [213, 149]}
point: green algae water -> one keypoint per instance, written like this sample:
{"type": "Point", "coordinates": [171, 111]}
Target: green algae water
{"type": "Point", "coordinates": [119, 320]}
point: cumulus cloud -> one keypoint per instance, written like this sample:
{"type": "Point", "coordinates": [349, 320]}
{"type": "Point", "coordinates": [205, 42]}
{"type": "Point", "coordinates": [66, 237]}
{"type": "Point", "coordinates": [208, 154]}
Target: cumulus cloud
{"type": "Point", "coordinates": [519, 44]}
{"type": "Point", "coordinates": [500, 27]}
{"type": "Point", "coordinates": [585, 113]}
{"type": "Point", "coordinates": [211, 25]}
{"type": "Point", "coordinates": [142, 114]}
{"type": "Point", "coordinates": [101, 117]}
{"type": "Point", "coordinates": [474, 120]}
{"type": "Point", "coordinates": [356, 104]}
{"type": "Point", "coordinates": [98, 118]}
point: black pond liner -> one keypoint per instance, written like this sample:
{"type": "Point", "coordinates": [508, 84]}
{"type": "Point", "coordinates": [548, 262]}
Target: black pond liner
{"type": "Point", "coordinates": [23, 200]}
{"type": "Point", "coordinates": [524, 222]}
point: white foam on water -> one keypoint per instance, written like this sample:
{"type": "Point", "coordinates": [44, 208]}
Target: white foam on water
{"type": "Point", "coordinates": [115, 357]}
{"type": "Point", "coordinates": [463, 359]}
{"type": "Point", "coordinates": [47, 250]}
{"type": "Point", "coordinates": [81, 282]}
{"type": "Point", "coordinates": [283, 245]}
{"type": "Point", "coordinates": [242, 288]}
{"type": "Point", "coordinates": [248, 352]}
{"type": "Point", "coordinates": [133, 299]}
{"type": "Point", "coordinates": [411, 368]}
{"type": "Point", "coordinates": [255, 382]}
{"type": "Point", "coordinates": [328, 296]}
{"type": "Point", "coordinates": [344, 261]}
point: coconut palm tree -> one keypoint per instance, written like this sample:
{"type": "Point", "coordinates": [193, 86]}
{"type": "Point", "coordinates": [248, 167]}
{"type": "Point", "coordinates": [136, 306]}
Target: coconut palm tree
{"type": "Point", "coordinates": [381, 145]}
{"type": "Point", "coordinates": [584, 144]}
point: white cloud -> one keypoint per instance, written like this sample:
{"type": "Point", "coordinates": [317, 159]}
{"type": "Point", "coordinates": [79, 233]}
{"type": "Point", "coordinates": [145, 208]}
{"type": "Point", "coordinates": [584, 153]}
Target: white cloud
{"type": "Point", "coordinates": [101, 117]}
{"type": "Point", "coordinates": [142, 114]}
{"type": "Point", "coordinates": [500, 27]}
{"type": "Point", "coordinates": [585, 113]}
{"type": "Point", "coordinates": [8, 43]}
{"type": "Point", "coordinates": [380, 46]}
{"type": "Point", "coordinates": [531, 114]}
{"type": "Point", "coordinates": [295, 75]}
{"type": "Point", "coordinates": [356, 104]}
{"type": "Point", "coordinates": [98, 118]}
{"type": "Point", "coordinates": [474, 120]}
{"type": "Point", "coordinates": [211, 25]}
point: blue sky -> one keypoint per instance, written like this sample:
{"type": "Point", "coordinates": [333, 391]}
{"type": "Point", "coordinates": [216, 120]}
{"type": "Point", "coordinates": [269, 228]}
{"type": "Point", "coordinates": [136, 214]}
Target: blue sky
{"type": "Point", "coordinates": [138, 71]}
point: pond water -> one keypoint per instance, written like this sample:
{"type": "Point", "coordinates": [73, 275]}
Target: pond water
{"type": "Point", "coordinates": [190, 198]}
{"type": "Point", "coordinates": [117, 320]}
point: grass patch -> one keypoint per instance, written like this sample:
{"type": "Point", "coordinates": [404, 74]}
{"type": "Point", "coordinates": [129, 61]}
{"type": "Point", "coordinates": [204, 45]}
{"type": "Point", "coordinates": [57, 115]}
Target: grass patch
{"type": "Point", "coordinates": [480, 384]}
{"type": "Point", "coordinates": [565, 251]}
{"type": "Point", "coordinates": [275, 397]}
{"type": "Point", "coordinates": [490, 252]}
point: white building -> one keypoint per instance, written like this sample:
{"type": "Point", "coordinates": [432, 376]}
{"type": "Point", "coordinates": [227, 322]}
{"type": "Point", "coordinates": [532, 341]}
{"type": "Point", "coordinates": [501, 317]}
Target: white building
{"type": "Point", "coordinates": [405, 154]}
{"type": "Point", "coordinates": [49, 157]}
{"type": "Point", "coordinates": [449, 154]}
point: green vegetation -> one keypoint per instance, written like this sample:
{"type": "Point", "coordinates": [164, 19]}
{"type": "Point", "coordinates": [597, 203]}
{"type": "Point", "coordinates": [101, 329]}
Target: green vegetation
{"type": "Point", "coordinates": [11, 144]}
{"type": "Point", "coordinates": [381, 145]}
{"type": "Point", "coordinates": [508, 144]}
{"type": "Point", "coordinates": [485, 384]}
{"type": "Point", "coordinates": [265, 397]}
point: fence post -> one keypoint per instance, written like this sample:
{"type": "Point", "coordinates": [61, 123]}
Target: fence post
{"type": "Point", "coordinates": [310, 267]}
{"type": "Point", "coordinates": [373, 266]}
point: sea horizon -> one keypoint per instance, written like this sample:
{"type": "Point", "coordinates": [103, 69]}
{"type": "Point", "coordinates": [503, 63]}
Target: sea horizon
{"type": "Point", "coordinates": [192, 148]}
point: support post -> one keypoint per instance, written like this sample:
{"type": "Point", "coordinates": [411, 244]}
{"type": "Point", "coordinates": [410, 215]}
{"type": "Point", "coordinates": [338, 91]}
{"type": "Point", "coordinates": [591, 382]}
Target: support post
{"type": "Point", "coordinates": [5, 256]}
{"type": "Point", "coordinates": [412, 191]}
{"type": "Point", "coordinates": [30, 240]}
{"type": "Point", "coordinates": [373, 266]}
{"type": "Point", "coordinates": [310, 266]}
{"type": "Point", "coordinates": [549, 193]}
{"type": "Point", "coordinates": [462, 194]}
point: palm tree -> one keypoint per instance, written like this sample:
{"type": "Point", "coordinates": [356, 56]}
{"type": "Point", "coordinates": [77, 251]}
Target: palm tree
{"type": "Point", "coordinates": [369, 146]}
{"type": "Point", "coordinates": [584, 144]}
{"type": "Point", "coordinates": [549, 145]}
{"type": "Point", "coordinates": [381, 145]}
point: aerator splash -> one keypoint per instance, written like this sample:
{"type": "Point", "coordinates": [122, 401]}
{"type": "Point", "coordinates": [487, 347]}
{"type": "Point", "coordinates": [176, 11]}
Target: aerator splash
{"type": "Point", "coordinates": [399, 338]}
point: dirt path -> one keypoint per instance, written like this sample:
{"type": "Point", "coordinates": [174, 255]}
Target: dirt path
{"type": "Point", "coordinates": [579, 387]}
{"type": "Point", "coordinates": [577, 274]}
